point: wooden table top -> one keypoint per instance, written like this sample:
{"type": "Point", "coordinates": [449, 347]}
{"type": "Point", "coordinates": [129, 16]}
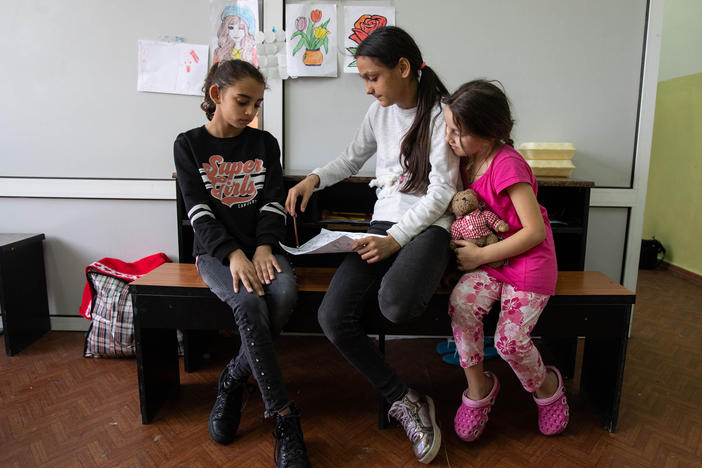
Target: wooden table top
{"type": "Point", "coordinates": [570, 283]}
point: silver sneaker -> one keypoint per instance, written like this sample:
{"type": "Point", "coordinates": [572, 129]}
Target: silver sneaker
{"type": "Point", "coordinates": [417, 415]}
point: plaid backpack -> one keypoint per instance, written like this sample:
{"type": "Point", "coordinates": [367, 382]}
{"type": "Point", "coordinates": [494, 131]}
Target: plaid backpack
{"type": "Point", "coordinates": [107, 302]}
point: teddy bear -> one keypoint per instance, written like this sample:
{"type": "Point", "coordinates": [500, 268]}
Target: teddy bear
{"type": "Point", "coordinates": [473, 223]}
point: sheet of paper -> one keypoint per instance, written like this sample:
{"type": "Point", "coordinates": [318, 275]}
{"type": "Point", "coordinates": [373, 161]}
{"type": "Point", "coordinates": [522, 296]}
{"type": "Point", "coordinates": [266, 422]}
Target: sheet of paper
{"type": "Point", "coordinates": [171, 67]}
{"type": "Point", "coordinates": [328, 242]}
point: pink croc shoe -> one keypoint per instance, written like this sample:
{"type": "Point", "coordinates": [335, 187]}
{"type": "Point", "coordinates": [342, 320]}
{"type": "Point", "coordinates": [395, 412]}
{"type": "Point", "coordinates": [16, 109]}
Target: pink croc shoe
{"type": "Point", "coordinates": [553, 411]}
{"type": "Point", "coordinates": [472, 415]}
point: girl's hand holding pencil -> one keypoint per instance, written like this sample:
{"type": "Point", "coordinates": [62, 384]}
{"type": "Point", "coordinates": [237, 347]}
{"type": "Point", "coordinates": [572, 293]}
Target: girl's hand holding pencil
{"type": "Point", "coordinates": [303, 189]}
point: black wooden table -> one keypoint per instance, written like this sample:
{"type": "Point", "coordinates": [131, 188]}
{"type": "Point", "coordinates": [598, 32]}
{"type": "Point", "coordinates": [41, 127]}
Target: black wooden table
{"type": "Point", "coordinates": [23, 298]}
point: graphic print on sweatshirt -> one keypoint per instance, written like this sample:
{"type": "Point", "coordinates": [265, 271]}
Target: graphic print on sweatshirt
{"type": "Point", "coordinates": [233, 183]}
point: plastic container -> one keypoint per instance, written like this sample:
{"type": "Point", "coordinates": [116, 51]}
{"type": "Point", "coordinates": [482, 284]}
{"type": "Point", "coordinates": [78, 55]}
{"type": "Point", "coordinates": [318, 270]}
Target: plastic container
{"type": "Point", "coordinates": [547, 150]}
{"type": "Point", "coordinates": [551, 168]}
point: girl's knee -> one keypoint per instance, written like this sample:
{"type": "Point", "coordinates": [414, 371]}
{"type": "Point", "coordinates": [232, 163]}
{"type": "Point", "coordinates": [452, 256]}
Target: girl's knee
{"type": "Point", "coordinates": [328, 321]}
{"type": "Point", "coordinates": [511, 341]}
{"type": "Point", "coordinates": [399, 308]}
{"type": "Point", "coordinates": [284, 284]}
{"type": "Point", "coordinates": [464, 309]}
{"type": "Point", "coordinates": [281, 297]}
{"type": "Point", "coordinates": [286, 297]}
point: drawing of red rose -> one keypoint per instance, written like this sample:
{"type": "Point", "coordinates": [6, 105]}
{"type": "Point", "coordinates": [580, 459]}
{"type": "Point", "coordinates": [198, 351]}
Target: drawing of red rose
{"type": "Point", "coordinates": [365, 25]}
{"type": "Point", "coordinates": [316, 15]}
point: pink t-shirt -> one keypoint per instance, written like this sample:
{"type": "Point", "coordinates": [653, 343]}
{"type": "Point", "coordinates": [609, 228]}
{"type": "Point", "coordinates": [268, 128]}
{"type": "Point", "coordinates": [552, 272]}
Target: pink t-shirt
{"type": "Point", "coordinates": [534, 270]}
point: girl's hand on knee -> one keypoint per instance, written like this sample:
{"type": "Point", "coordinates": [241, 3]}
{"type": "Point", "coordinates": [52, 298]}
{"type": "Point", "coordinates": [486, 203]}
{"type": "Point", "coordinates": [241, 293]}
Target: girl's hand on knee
{"type": "Point", "coordinates": [303, 189]}
{"type": "Point", "coordinates": [265, 264]}
{"type": "Point", "coordinates": [373, 249]}
{"type": "Point", "coordinates": [468, 255]}
{"type": "Point", "coordinates": [242, 269]}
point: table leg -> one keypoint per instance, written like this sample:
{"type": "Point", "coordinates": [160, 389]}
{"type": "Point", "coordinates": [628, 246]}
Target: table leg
{"type": "Point", "coordinates": [603, 368]}
{"type": "Point", "coordinates": [157, 365]}
{"type": "Point", "coordinates": [383, 406]}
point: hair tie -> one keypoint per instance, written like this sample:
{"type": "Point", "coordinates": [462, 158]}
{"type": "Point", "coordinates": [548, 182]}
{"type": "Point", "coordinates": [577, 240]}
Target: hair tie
{"type": "Point", "coordinates": [424, 64]}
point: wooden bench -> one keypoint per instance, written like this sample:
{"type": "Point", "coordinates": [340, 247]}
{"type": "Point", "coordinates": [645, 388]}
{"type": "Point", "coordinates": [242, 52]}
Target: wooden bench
{"type": "Point", "coordinates": [586, 304]}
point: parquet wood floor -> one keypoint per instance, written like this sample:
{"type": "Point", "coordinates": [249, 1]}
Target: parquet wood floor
{"type": "Point", "coordinates": [58, 409]}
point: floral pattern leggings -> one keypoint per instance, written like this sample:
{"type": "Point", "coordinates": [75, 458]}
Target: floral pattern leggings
{"type": "Point", "coordinates": [472, 298]}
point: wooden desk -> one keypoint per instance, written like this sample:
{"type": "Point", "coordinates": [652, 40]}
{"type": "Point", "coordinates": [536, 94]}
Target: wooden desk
{"type": "Point", "coordinates": [174, 297]}
{"type": "Point", "coordinates": [23, 298]}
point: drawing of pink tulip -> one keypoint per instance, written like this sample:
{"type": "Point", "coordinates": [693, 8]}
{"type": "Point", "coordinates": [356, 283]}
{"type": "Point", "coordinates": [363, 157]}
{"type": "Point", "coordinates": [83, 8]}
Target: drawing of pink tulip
{"type": "Point", "coordinates": [301, 23]}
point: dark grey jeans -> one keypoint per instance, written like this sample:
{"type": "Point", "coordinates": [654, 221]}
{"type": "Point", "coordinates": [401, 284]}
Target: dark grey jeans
{"type": "Point", "coordinates": [260, 320]}
{"type": "Point", "coordinates": [402, 284]}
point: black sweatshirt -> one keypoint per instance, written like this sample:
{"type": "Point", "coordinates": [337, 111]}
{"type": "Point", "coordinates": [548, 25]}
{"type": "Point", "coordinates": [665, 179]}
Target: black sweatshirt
{"type": "Point", "coordinates": [232, 189]}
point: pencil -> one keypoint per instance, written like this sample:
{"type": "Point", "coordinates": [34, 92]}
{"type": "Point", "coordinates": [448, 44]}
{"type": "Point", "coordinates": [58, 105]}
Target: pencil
{"type": "Point", "coordinates": [297, 239]}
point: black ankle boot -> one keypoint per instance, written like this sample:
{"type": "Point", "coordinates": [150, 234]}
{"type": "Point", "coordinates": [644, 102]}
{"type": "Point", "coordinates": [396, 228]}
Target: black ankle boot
{"type": "Point", "coordinates": [226, 413]}
{"type": "Point", "coordinates": [290, 451]}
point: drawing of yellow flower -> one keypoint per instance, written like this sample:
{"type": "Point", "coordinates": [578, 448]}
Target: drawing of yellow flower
{"type": "Point", "coordinates": [320, 33]}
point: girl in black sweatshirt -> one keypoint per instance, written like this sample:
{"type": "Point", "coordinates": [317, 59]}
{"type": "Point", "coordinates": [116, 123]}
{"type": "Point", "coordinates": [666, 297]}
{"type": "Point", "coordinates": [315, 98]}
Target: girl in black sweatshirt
{"type": "Point", "coordinates": [231, 180]}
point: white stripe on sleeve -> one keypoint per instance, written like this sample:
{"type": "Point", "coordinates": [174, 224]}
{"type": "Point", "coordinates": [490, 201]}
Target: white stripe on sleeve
{"type": "Point", "coordinates": [195, 208]}
{"type": "Point", "coordinates": [201, 214]}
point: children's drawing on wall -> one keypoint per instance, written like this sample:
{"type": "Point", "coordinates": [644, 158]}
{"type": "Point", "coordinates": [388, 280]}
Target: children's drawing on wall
{"type": "Point", "coordinates": [234, 24]}
{"type": "Point", "coordinates": [311, 39]}
{"type": "Point", "coordinates": [171, 67]}
{"type": "Point", "coordinates": [359, 22]}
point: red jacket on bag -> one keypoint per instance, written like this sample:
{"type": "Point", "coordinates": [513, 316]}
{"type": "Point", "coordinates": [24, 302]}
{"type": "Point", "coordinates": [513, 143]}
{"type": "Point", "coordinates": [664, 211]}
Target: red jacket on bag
{"type": "Point", "coordinates": [119, 269]}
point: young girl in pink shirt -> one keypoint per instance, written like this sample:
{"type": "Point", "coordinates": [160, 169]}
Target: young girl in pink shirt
{"type": "Point", "coordinates": [478, 127]}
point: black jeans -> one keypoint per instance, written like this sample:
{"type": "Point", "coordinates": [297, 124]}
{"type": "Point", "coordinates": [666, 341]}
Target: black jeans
{"type": "Point", "coordinates": [402, 284]}
{"type": "Point", "coordinates": [260, 320]}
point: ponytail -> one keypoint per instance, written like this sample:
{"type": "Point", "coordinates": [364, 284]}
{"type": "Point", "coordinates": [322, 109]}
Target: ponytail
{"type": "Point", "coordinates": [223, 74]}
{"type": "Point", "coordinates": [388, 45]}
{"type": "Point", "coordinates": [417, 142]}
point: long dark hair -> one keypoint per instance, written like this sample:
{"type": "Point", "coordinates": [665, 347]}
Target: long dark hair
{"type": "Point", "coordinates": [481, 108]}
{"type": "Point", "coordinates": [224, 74]}
{"type": "Point", "coordinates": [388, 45]}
